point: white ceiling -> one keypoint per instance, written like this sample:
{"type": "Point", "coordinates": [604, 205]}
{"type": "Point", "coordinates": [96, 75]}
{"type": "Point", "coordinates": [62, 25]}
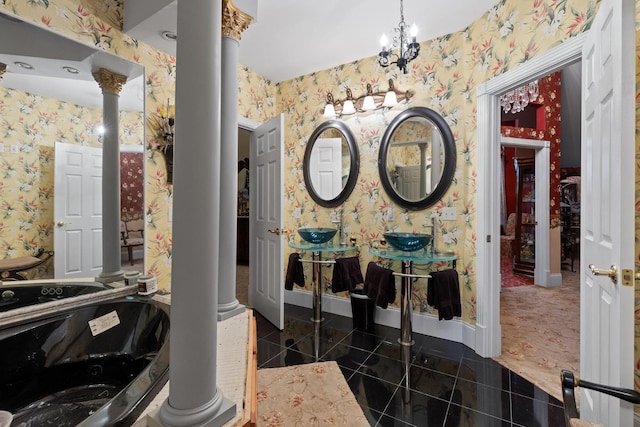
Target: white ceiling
{"type": "Point", "coordinates": [49, 53]}
{"type": "Point", "coordinates": [291, 38]}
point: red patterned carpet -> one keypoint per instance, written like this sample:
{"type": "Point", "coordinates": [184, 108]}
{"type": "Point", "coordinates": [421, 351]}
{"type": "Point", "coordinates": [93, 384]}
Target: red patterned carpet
{"type": "Point", "coordinates": [509, 278]}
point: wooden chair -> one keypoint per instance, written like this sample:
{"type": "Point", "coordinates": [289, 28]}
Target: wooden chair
{"type": "Point", "coordinates": [571, 412]}
{"type": "Point", "coordinates": [133, 236]}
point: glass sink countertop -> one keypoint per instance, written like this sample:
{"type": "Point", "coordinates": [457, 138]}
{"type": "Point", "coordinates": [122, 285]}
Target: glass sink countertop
{"type": "Point", "coordinates": [330, 246]}
{"type": "Point", "coordinates": [422, 255]}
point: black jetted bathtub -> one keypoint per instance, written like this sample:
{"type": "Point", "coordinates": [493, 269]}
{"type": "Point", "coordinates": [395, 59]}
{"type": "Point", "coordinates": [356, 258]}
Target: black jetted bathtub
{"type": "Point", "coordinates": [99, 364]}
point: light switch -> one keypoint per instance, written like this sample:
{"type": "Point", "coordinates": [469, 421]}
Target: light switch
{"type": "Point", "coordinates": [14, 149]}
{"type": "Point", "coordinates": [391, 215]}
{"type": "Point", "coordinates": [1, 147]}
{"type": "Point", "coordinates": [448, 214]}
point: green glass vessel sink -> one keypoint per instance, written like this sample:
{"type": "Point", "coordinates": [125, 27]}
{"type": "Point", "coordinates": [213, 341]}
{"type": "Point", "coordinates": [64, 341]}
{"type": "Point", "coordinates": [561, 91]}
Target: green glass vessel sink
{"type": "Point", "coordinates": [408, 242]}
{"type": "Point", "coordinates": [317, 235]}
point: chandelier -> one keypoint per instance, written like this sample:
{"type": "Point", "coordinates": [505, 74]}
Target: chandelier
{"type": "Point", "coordinates": [516, 100]}
{"type": "Point", "coordinates": [406, 50]}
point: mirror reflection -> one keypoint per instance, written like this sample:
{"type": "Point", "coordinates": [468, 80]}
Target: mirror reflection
{"type": "Point", "coordinates": [417, 158]}
{"type": "Point", "coordinates": [51, 106]}
{"type": "Point", "coordinates": [331, 163]}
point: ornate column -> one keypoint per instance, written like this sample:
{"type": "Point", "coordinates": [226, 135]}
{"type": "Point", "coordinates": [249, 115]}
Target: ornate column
{"type": "Point", "coordinates": [194, 398]}
{"type": "Point", "coordinates": [234, 21]}
{"type": "Point", "coordinates": [111, 84]}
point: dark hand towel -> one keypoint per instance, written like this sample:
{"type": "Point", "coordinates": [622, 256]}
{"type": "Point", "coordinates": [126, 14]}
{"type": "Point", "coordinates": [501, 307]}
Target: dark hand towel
{"type": "Point", "coordinates": [380, 285]}
{"type": "Point", "coordinates": [295, 272]}
{"type": "Point", "coordinates": [443, 293]}
{"type": "Point", "coordinates": [346, 274]}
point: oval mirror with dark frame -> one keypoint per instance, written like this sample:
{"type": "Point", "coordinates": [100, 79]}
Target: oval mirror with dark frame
{"type": "Point", "coordinates": [417, 158]}
{"type": "Point", "coordinates": [331, 163]}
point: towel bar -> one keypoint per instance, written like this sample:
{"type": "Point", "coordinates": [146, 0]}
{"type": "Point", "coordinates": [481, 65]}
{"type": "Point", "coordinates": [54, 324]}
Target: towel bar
{"type": "Point", "coordinates": [417, 276]}
{"type": "Point", "coordinates": [317, 263]}
{"type": "Point", "coordinates": [313, 261]}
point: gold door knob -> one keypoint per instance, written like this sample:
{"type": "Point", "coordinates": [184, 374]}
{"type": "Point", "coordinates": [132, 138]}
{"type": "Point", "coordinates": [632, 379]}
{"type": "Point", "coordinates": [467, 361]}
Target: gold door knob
{"type": "Point", "coordinates": [612, 272]}
{"type": "Point", "coordinates": [60, 223]}
{"type": "Point", "coordinates": [276, 231]}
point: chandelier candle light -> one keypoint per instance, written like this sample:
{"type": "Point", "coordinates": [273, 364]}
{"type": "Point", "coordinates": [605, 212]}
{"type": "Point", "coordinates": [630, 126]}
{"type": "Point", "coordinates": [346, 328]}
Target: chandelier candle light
{"type": "Point", "coordinates": [407, 50]}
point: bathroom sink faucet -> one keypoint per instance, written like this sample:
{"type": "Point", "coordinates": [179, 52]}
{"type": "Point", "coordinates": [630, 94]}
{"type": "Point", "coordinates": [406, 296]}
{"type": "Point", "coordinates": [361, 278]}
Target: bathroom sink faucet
{"type": "Point", "coordinates": [433, 234]}
{"type": "Point", "coordinates": [341, 239]}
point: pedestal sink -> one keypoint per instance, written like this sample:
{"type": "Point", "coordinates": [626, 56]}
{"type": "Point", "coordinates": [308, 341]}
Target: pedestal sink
{"type": "Point", "coordinates": [408, 242]}
{"type": "Point", "coordinates": [317, 235]}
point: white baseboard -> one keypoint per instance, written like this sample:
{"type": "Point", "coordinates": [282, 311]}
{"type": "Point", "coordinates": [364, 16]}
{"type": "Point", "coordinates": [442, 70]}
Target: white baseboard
{"type": "Point", "coordinates": [554, 280]}
{"type": "Point", "coordinates": [426, 324]}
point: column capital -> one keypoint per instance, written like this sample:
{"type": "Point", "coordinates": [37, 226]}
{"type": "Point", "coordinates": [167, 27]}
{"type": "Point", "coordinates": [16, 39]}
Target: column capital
{"type": "Point", "coordinates": [109, 81]}
{"type": "Point", "coordinates": [234, 21]}
{"type": "Point", "coordinates": [3, 68]}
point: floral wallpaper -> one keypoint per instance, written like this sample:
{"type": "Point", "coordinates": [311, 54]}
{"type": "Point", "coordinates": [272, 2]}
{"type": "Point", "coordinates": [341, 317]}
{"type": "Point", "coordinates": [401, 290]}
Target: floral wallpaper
{"type": "Point", "coordinates": [33, 124]}
{"type": "Point", "coordinates": [444, 77]}
{"type": "Point", "coordinates": [131, 186]}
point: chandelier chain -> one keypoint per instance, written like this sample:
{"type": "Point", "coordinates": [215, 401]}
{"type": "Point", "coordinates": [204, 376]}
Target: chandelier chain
{"type": "Point", "coordinates": [407, 47]}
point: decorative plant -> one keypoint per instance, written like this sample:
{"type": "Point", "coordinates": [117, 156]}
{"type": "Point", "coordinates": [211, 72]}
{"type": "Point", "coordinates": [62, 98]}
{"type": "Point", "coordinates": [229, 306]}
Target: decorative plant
{"type": "Point", "coordinates": [165, 136]}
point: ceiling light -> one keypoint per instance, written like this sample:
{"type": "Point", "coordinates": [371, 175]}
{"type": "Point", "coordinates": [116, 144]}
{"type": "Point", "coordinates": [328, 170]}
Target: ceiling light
{"type": "Point", "coordinates": [24, 65]}
{"type": "Point", "coordinates": [407, 50]}
{"type": "Point", "coordinates": [71, 70]}
{"type": "Point", "coordinates": [169, 35]}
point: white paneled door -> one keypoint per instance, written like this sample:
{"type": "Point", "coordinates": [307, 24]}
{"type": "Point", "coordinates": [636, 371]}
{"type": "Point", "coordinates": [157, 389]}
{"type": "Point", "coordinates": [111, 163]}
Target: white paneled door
{"type": "Point", "coordinates": [77, 211]}
{"type": "Point", "coordinates": [325, 167]}
{"type": "Point", "coordinates": [266, 283]}
{"type": "Point", "coordinates": [608, 197]}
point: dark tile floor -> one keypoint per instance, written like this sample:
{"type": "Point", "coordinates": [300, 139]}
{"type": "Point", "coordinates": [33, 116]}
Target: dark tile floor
{"type": "Point", "coordinates": [440, 382]}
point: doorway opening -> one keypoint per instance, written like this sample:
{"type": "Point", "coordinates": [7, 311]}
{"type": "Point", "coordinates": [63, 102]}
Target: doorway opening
{"type": "Point", "coordinates": [488, 328]}
{"type": "Point", "coordinates": [244, 181]}
{"type": "Point", "coordinates": [545, 338]}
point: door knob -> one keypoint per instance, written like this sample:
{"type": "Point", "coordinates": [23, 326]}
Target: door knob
{"type": "Point", "coordinates": [612, 272]}
{"type": "Point", "coordinates": [276, 231]}
{"type": "Point", "coordinates": [60, 223]}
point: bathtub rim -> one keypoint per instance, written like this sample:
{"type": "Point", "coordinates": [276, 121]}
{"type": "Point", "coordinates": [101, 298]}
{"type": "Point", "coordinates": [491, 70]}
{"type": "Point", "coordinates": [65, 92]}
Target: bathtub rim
{"type": "Point", "coordinates": [22, 314]}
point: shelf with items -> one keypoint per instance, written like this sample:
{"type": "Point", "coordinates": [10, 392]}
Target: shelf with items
{"type": "Point", "coordinates": [570, 217]}
{"type": "Point", "coordinates": [524, 247]}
